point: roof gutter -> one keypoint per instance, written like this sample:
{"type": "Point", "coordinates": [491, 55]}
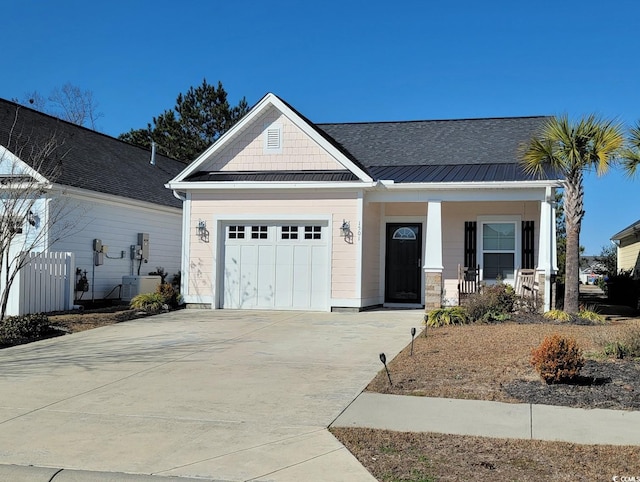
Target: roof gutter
{"type": "Point", "coordinates": [633, 230]}
{"type": "Point", "coordinates": [227, 185]}
{"type": "Point", "coordinates": [177, 195]}
{"type": "Point", "coordinates": [445, 186]}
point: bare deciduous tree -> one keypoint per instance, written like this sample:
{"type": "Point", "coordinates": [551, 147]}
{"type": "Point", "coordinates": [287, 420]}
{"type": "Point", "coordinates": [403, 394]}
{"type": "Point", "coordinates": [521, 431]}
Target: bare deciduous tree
{"type": "Point", "coordinates": [34, 212]}
{"type": "Point", "coordinates": [69, 103]}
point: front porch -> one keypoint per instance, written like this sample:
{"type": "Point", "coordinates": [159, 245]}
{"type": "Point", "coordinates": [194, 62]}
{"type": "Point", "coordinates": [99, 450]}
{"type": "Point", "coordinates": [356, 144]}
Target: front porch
{"type": "Point", "coordinates": [421, 244]}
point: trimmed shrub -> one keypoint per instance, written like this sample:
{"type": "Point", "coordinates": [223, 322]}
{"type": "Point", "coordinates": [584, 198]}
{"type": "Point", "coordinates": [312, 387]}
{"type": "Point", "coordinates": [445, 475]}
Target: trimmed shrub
{"type": "Point", "coordinates": [456, 315]}
{"type": "Point", "coordinates": [15, 330]}
{"type": "Point", "coordinates": [150, 302]}
{"type": "Point", "coordinates": [558, 359]}
{"type": "Point", "coordinates": [494, 303]}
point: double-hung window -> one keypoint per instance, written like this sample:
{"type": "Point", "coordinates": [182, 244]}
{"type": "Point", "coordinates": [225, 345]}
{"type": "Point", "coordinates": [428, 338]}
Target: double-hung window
{"type": "Point", "coordinates": [499, 239]}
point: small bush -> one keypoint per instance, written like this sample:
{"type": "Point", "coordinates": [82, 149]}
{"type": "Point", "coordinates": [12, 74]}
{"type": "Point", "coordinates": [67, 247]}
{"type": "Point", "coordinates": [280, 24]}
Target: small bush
{"type": "Point", "coordinates": [160, 272]}
{"type": "Point", "coordinates": [627, 346]}
{"type": "Point", "coordinates": [169, 294]}
{"type": "Point", "coordinates": [149, 302]}
{"type": "Point", "coordinates": [456, 315]}
{"type": "Point", "coordinates": [175, 281]}
{"type": "Point", "coordinates": [15, 330]}
{"type": "Point", "coordinates": [631, 342]}
{"type": "Point", "coordinates": [615, 349]}
{"type": "Point", "coordinates": [493, 303]}
{"type": "Point", "coordinates": [558, 315]}
{"type": "Point", "coordinates": [558, 359]}
{"type": "Point", "coordinates": [591, 315]}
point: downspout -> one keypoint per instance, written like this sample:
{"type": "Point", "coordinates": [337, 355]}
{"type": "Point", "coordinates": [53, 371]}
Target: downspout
{"type": "Point", "coordinates": [185, 242]}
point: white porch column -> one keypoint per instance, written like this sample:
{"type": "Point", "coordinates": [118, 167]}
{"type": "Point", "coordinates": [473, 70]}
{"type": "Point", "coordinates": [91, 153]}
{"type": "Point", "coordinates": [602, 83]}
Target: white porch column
{"type": "Point", "coordinates": [432, 264]}
{"type": "Point", "coordinates": [547, 256]}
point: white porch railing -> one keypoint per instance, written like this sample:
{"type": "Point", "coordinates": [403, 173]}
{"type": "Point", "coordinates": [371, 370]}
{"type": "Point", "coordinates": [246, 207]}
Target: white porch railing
{"type": "Point", "coordinates": [45, 283]}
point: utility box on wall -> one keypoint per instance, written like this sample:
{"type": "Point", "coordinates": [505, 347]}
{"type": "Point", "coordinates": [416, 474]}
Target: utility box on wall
{"type": "Point", "coordinates": [135, 285]}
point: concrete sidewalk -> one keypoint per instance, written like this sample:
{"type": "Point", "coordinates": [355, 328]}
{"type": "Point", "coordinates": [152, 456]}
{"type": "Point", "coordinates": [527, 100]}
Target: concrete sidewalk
{"type": "Point", "coordinates": [491, 419]}
{"type": "Point", "coordinates": [18, 473]}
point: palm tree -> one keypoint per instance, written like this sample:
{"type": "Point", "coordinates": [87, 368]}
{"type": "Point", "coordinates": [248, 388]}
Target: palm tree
{"type": "Point", "coordinates": [631, 154]}
{"type": "Point", "coordinates": [569, 149]}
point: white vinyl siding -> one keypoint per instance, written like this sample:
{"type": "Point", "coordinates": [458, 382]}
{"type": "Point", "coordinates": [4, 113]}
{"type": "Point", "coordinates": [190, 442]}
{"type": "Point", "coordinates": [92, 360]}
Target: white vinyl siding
{"type": "Point", "coordinates": [117, 225]}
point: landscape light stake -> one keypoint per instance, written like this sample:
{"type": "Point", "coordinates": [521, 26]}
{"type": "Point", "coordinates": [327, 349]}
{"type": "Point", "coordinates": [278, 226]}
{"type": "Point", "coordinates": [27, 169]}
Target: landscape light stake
{"type": "Point", "coordinates": [383, 359]}
{"type": "Point", "coordinates": [413, 334]}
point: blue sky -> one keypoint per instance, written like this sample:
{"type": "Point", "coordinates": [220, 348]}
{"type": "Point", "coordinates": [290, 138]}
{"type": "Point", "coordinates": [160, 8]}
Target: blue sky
{"type": "Point", "coordinates": [345, 61]}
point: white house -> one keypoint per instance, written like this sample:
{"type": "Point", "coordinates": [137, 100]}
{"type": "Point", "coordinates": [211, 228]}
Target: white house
{"type": "Point", "coordinates": [100, 198]}
{"type": "Point", "coordinates": [282, 213]}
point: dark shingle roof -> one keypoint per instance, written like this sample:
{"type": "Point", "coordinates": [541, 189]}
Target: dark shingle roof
{"type": "Point", "coordinates": [464, 150]}
{"type": "Point", "coordinates": [88, 159]}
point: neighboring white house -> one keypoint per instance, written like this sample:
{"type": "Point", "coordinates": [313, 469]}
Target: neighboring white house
{"type": "Point", "coordinates": [282, 213]}
{"type": "Point", "coordinates": [104, 195]}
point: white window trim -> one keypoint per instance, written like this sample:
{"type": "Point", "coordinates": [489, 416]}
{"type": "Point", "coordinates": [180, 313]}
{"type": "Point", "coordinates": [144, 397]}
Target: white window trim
{"type": "Point", "coordinates": [517, 258]}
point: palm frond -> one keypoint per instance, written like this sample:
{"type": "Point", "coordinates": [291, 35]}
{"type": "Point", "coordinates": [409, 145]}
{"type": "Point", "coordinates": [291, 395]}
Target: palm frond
{"type": "Point", "coordinates": [631, 154]}
{"type": "Point", "coordinates": [568, 147]}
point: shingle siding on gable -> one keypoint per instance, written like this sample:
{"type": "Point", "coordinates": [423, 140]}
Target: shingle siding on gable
{"type": "Point", "coordinates": [297, 152]}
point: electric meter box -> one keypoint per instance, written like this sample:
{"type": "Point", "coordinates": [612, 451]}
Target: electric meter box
{"type": "Point", "coordinates": [135, 285]}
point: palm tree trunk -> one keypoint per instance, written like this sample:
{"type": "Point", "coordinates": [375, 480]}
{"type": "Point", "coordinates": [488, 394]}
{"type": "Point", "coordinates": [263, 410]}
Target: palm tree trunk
{"type": "Point", "coordinates": [574, 212]}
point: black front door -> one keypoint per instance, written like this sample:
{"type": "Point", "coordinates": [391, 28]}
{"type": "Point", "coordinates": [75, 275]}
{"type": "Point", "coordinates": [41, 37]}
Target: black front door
{"type": "Point", "coordinates": [403, 264]}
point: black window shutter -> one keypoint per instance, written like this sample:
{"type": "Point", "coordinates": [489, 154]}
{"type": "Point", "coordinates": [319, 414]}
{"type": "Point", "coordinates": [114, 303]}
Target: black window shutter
{"type": "Point", "coordinates": [527, 244]}
{"type": "Point", "coordinates": [470, 228]}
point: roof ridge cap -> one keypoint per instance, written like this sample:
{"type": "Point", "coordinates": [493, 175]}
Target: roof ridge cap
{"type": "Point", "coordinates": [415, 121]}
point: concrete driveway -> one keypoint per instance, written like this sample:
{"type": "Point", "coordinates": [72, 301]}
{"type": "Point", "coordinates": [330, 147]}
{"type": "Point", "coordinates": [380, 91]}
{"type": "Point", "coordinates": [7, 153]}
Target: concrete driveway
{"type": "Point", "coordinates": [224, 395]}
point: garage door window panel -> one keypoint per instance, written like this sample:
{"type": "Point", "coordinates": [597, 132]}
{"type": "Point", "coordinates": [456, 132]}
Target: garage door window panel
{"type": "Point", "coordinates": [289, 232]}
{"type": "Point", "coordinates": [259, 232]}
{"type": "Point", "coordinates": [313, 232]}
{"type": "Point", "coordinates": [235, 232]}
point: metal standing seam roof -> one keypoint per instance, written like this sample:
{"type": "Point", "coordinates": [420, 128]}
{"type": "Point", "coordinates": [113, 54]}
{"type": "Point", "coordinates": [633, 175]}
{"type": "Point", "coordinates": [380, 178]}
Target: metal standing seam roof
{"type": "Point", "coordinates": [274, 176]}
{"type": "Point", "coordinates": [88, 159]}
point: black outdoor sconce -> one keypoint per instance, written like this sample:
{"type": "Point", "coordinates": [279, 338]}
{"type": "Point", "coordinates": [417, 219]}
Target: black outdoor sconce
{"type": "Point", "coordinates": [202, 231]}
{"type": "Point", "coordinates": [345, 229]}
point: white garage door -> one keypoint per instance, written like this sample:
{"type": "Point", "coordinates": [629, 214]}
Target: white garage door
{"type": "Point", "coordinates": [276, 266]}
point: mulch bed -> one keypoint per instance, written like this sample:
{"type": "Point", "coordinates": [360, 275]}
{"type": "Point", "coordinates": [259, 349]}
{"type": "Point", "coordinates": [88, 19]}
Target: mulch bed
{"type": "Point", "coordinates": [612, 384]}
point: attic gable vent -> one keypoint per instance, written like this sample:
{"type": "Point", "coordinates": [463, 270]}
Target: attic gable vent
{"type": "Point", "coordinates": [273, 138]}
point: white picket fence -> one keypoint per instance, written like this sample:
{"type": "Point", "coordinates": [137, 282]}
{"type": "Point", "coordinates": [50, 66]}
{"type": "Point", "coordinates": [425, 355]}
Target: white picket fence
{"type": "Point", "coordinates": [45, 283]}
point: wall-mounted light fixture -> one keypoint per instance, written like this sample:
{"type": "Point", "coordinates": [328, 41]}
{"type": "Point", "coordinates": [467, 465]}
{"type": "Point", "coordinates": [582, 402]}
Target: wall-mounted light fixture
{"type": "Point", "coordinates": [202, 231]}
{"type": "Point", "coordinates": [32, 219]}
{"type": "Point", "coordinates": [345, 229]}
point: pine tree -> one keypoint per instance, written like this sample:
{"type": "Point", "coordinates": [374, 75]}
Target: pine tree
{"type": "Point", "coordinates": [199, 118]}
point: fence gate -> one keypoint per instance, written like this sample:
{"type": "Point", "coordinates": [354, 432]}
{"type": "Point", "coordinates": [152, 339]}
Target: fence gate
{"type": "Point", "coordinates": [44, 284]}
